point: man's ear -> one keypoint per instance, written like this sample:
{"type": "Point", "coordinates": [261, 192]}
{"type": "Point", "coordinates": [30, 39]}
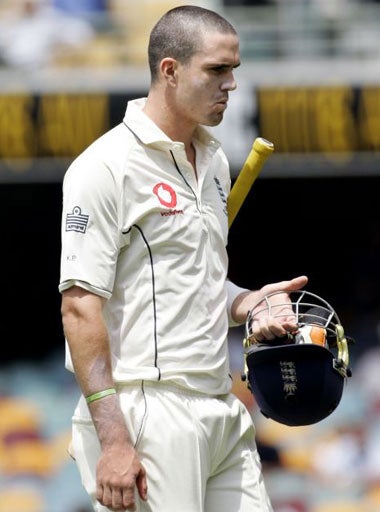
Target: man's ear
{"type": "Point", "coordinates": [168, 68]}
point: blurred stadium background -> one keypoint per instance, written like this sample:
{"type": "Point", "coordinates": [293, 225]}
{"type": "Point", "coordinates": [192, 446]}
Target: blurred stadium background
{"type": "Point", "coordinates": [310, 83]}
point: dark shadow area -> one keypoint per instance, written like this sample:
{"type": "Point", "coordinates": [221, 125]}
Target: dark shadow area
{"type": "Point", "coordinates": [30, 320]}
{"type": "Point", "coordinates": [328, 229]}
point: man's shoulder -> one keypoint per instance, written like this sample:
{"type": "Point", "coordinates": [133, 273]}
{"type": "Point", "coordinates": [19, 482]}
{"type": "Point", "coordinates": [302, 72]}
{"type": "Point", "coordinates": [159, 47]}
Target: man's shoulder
{"type": "Point", "coordinates": [104, 156]}
{"type": "Point", "coordinates": [112, 145]}
{"type": "Point", "coordinates": [115, 138]}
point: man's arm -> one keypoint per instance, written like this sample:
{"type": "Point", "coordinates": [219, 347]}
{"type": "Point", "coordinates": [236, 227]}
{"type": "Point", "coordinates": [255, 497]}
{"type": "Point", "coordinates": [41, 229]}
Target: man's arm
{"type": "Point", "coordinates": [268, 327]}
{"type": "Point", "coordinates": [119, 469]}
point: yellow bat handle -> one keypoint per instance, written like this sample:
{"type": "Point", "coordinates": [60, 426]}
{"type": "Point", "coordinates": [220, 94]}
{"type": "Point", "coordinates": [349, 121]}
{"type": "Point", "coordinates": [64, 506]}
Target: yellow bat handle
{"type": "Point", "coordinates": [261, 149]}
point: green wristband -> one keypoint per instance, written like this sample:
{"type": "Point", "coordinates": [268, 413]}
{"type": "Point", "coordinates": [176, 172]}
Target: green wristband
{"type": "Point", "coordinates": [100, 394]}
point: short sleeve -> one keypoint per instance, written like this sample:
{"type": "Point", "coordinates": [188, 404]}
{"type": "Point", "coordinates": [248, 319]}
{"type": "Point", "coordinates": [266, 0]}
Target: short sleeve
{"type": "Point", "coordinates": [90, 226]}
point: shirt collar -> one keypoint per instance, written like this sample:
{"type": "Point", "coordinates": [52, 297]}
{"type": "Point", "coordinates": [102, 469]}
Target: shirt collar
{"type": "Point", "coordinates": [149, 133]}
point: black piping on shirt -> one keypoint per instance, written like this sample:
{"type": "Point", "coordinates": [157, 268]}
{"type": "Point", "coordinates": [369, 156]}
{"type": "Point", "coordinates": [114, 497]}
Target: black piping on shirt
{"type": "Point", "coordinates": [185, 180]}
{"type": "Point", "coordinates": [153, 294]}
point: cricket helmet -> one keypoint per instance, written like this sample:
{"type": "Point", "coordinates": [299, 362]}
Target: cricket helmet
{"type": "Point", "coordinates": [297, 379]}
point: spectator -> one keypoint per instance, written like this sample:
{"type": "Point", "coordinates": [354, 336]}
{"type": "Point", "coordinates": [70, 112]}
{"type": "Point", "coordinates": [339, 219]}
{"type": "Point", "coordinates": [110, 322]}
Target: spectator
{"type": "Point", "coordinates": [35, 32]}
{"type": "Point", "coordinates": [95, 12]}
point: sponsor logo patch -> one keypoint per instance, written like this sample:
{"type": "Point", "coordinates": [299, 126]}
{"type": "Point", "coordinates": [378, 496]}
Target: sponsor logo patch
{"type": "Point", "coordinates": [165, 194]}
{"type": "Point", "coordinates": [76, 221]}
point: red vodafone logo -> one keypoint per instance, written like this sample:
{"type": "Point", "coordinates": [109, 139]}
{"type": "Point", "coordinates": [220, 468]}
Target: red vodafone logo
{"type": "Point", "coordinates": [165, 195]}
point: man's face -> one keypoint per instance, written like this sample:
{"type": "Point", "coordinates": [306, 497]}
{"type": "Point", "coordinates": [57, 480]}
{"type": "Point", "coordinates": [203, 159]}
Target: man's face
{"type": "Point", "coordinates": [206, 80]}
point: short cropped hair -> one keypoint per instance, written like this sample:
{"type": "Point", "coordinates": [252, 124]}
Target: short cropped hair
{"type": "Point", "coordinates": [178, 34]}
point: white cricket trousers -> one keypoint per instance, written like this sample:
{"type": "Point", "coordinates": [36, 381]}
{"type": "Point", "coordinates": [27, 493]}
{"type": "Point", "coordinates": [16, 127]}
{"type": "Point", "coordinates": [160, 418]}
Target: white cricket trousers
{"type": "Point", "coordinates": [199, 452]}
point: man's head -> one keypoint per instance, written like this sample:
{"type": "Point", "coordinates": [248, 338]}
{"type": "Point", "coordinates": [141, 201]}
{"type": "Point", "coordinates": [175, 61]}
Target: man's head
{"type": "Point", "coordinates": [192, 53]}
{"type": "Point", "coordinates": [178, 34]}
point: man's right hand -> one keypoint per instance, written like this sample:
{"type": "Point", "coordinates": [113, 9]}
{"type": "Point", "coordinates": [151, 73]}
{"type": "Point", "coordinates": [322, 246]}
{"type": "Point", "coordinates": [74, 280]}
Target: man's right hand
{"type": "Point", "coordinates": [119, 473]}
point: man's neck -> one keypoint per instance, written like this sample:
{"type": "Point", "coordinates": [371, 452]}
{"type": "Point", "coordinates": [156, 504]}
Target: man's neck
{"type": "Point", "coordinates": [164, 116]}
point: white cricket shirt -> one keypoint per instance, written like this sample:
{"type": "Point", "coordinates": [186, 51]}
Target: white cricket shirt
{"type": "Point", "coordinates": [139, 229]}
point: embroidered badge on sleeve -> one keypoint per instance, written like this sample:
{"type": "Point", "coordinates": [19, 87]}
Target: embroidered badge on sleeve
{"type": "Point", "coordinates": [76, 221]}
